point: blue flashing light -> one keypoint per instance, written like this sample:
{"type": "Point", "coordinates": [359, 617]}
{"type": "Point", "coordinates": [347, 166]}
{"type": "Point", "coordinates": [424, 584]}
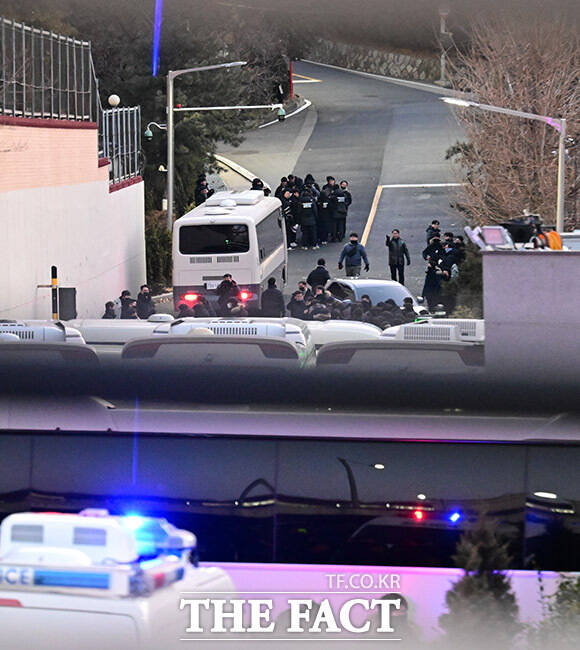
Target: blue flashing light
{"type": "Point", "coordinates": [134, 522]}
{"type": "Point", "coordinates": [454, 517]}
{"type": "Point", "coordinates": [157, 35]}
{"type": "Point", "coordinates": [45, 578]}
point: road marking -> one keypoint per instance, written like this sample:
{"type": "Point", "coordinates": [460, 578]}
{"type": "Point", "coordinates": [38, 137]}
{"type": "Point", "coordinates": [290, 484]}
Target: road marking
{"type": "Point", "coordinates": [372, 214]}
{"type": "Point", "coordinates": [307, 104]}
{"type": "Point", "coordinates": [303, 79]}
{"type": "Point", "coordinates": [405, 185]}
{"type": "Point", "coordinates": [396, 186]}
{"type": "Point", "coordinates": [238, 169]}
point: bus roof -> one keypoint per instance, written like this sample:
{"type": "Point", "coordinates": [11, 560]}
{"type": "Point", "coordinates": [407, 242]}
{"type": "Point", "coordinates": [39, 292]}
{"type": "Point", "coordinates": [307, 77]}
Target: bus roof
{"type": "Point", "coordinates": [249, 204]}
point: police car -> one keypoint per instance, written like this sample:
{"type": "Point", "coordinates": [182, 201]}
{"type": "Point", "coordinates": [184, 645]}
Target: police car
{"type": "Point", "coordinates": [94, 580]}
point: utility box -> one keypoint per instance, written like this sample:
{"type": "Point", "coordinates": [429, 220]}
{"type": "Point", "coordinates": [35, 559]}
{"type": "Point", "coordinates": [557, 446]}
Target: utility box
{"type": "Point", "coordinates": [67, 303]}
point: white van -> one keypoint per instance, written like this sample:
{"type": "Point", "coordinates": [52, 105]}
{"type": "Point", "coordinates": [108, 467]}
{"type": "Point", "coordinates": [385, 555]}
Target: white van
{"type": "Point", "coordinates": [241, 233]}
{"type": "Point", "coordinates": [97, 581]}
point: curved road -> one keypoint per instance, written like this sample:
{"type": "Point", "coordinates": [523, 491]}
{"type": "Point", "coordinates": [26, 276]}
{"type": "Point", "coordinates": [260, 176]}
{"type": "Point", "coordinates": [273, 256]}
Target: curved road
{"type": "Point", "coordinates": [372, 132]}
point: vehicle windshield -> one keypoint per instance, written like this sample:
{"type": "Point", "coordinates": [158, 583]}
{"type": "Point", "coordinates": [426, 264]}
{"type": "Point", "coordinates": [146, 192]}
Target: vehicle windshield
{"type": "Point", "coordinates": [214, 239]}
{"type": "Point", "coordinates": [378, 293]}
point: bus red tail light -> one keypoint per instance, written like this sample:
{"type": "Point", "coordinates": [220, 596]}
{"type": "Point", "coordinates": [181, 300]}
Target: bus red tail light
{"type": "Point", "coordinates": [190, 297]}
{"type": "Point", "coordinates": [245, 295]}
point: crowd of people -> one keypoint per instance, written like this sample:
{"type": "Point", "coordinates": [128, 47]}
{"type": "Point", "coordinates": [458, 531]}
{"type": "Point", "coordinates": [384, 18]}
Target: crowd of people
{"type": "Point", "coordinates": [314, 215]}
{"type": "Point", "coordinates": [444, 256]}
{"type": "Point", "coordinates": [127, 307]}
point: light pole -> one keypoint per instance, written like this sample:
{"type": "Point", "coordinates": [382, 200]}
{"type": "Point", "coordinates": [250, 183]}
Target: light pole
{"type": "Point", "coordinates": [171, 76]}
{"type": "Point", "coordinates": [557, 123]}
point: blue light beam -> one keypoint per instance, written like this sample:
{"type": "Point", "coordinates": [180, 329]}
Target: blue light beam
{"type": "Point", "coordinates": [157, 35]}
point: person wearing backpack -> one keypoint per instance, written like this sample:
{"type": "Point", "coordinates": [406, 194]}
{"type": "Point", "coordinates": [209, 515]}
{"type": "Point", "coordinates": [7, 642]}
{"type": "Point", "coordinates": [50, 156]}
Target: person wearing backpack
{"type": "Point", "coordinates": [353, 255]}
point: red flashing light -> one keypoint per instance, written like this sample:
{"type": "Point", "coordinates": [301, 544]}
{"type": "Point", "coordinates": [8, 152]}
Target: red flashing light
{"type": "Point", "coordinates": [177, 105]}
{"type": "Point", "coordinates": [190, 297]}
{"type": "Point", "coordinates": [245, 295]}
{"type": "Point", "coordinates": [418, 515]}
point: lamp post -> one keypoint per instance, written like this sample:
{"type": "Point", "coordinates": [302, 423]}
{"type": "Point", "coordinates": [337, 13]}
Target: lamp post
{"type": "Point", "coordinates": [171, 76]}
{"type": "Point", "coordinates": [556, 123]}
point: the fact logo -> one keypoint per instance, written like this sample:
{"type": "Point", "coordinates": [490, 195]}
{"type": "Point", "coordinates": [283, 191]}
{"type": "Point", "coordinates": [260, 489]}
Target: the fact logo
{"type": "Point", "coordinates": [255, 616]}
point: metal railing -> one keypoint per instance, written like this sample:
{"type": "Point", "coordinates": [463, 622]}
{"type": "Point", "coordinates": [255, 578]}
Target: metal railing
{"type": "Point", "coordinates": [45, 75]}
{"type": "Point", "coordinates": [51, 76]}
{"type": "Point", "coordinates": [120, 141]}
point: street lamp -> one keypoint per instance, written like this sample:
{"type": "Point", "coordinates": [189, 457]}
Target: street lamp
{"type": "Point", "coordinates": [171, 76]}
{"type": "Point", "coordinates": [557, 123]}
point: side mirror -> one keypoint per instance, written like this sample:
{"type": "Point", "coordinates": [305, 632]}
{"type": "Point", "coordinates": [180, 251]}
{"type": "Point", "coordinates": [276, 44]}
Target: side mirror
{"type": "Point", "coordinates": [420, 300]}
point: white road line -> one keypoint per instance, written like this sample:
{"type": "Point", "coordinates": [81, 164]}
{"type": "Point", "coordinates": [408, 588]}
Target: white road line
{"type": "Point", "coordinates": [306, 81]}
{"type": "Point", "coordinates": [307, 104]}
{"type": "Point", "coordinates": [404, 185]}
{"type": "Point", "coordinates": [419, 85]}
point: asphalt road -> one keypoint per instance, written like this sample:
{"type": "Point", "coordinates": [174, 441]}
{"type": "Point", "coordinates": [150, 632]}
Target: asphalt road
{"type": "Point", "coordinates": [371, 132]}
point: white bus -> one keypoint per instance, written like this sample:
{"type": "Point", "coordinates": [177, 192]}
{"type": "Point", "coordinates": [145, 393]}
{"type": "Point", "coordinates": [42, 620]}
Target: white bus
{"type": "Point", "coordinates": [241, 233]}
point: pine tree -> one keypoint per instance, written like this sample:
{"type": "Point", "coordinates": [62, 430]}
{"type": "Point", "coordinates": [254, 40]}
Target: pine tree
{"type": "Point", "coordinates": [482, 608]}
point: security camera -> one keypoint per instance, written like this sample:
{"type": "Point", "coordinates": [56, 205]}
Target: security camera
{"type": "Point", "coordinates": [148, 135]}
{"type": "Point", "coordinates": [281, 114]}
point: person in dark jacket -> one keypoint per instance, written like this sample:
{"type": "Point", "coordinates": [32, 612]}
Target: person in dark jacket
{"type": "Point", "coordinates": [434, 251]}
{"type": "Point", "coordinates": [319, 275]}
{"type": "Point", "coordinates": [281, 188]}
{"type": "Point", "coordinates": [273, 301]}
{"type": "Point", "coordinates": [303, 287]}
{"type": "Point", "coordinates": [307, 219]}
{"type": "Point", "coordinates": [200, 310]}
{"type": "Point", "coordinates": [432, 286]}
{"type": "Point", "coordinates": [433, 230]}
{"type": "Point", "coordinates": [109, 310]}
{"type": "Point", "coordinates": [145, 306]}
{"type": "Point", "coordinates": [289, 219]}
{"type": "Point", "coordinates": [325, 225]}
{"type": "Point", "coordinates": [398, 254]}
{"type": "Point", "coordinates": [343, 203]}
{"type": "Point", "coordinates": [459, 244]}
{"type": "Point", "coordinates": [352, 255]}
{"type": "Point", "coordinates": [202, 191]}
{"type": "Point", "coordinates": [295, 181]}
{"type": "Point", "coordinates": [125, 300]}
{"type": "Point", "coordinates": [227, 289]}
{"type": "Point", "coordinates": [297, 306]}
{"type": "Point", "coordinates": [330, 184]}
{"type": "Point", "coordinates": [131, 311]}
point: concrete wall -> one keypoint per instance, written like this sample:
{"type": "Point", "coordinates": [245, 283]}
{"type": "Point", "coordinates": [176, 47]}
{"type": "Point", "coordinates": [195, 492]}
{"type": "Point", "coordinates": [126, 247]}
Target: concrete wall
{"type": "Point", "coordinates": [390, 64]}
{"type": "Point", "coordinates": [532, 313]}
{"type": "Point", "coordinates": [56, 207]}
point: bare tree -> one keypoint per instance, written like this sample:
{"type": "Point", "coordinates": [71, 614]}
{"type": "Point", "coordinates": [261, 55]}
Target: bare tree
{"type": "Point", "coordinates": [510, 164]}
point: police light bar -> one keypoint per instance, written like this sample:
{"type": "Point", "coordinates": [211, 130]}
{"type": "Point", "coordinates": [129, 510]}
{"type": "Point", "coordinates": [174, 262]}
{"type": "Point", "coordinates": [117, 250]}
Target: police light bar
{"type": "Point", "coordinates": [91, 553]}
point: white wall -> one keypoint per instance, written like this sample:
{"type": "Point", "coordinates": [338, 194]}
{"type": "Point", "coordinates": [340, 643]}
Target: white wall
{"type": "Point", "coordinates": [94, 237]}
{"type": "Point", "coordinates": [532, 313]}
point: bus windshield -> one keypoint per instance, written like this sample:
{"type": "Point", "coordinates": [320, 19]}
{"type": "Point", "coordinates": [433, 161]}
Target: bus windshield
{"type": "Point", "coordinates": [213, 239]}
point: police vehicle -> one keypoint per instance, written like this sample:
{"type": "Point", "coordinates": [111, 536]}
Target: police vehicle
{"type": "Point", "coordinates": [92, 580]}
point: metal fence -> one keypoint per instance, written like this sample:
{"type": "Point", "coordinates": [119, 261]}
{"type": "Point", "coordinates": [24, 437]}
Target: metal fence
{"type": "Point", "coordinates": [46, 75]}
{"type": "Point", "coordinates": [120, 141]}
{"type": "Point", "coordinates": [51, 76]}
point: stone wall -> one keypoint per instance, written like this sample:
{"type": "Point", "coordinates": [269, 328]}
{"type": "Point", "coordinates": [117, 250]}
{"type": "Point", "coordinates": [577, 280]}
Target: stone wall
{"type": "Point", "coordinates": [390, 64]}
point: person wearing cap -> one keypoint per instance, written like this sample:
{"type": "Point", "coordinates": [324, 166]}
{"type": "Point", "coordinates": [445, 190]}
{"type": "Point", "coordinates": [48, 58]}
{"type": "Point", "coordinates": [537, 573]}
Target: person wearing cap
{"type": "Point", "coordinates": [273, 301]}
{"type": "Point", "coordinates": [398, 254]}
{"type": "Point", "coordinates": [145, 306]}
